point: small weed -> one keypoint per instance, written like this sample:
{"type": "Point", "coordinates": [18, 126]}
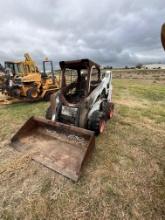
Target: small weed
{"type": "Point", "coordinates": [46, 185]}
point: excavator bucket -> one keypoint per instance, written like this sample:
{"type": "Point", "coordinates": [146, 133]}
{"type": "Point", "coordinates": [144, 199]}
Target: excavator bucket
{"type": "Point", "coordinates": [60, 147]}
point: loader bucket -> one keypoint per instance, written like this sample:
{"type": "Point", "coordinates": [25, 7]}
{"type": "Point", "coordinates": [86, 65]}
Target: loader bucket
{"type": "Point", "coordinates": [60, 147]}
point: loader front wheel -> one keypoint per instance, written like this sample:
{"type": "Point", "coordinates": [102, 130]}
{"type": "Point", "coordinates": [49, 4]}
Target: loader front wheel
{"type": "Point", "coordinates": [111, 110]}
{"type": "Point", "coordinates": [48, 113]}
{"type": "Point", "coordinates": [15, 93]}
{"type": "Point", "coordinates": [96, 122]}
{"type": "Point", "coordinates": [32, 93]}
{"type": "Point", "coordinates": [47, 96]}
{"type": "Point", "coordinates": [108, 109]}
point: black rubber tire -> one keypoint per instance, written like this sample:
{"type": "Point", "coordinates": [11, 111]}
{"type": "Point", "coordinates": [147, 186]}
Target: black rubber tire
{"type": "Point", "coordinates": [30, 93]}
{"type": "Point", "coordinates": [112, 106]}
{"type": "Point", "coordinates": [48, 114]}
{"type": "Point", "coordinates": [94, 121]}
{"type": "Point", "coordinates": [47, 96]}
{"type": "Point", "coordinates": [107, 108]}
{"type": "Point", "coordinates": [15, 93]}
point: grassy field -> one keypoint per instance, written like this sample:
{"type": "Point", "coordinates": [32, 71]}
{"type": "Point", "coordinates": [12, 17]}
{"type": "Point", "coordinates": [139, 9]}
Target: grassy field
{"type": "Point", "coordinates": [123, 180]}
{"type": "Point", "coordinates": [156, 75]}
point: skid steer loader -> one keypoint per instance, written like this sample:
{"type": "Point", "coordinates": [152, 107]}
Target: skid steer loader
{"type": "Point", "coordinates": [86, 102]}
{"type": "Point", "coordinates": [24, 80]}
{"type": "Point", "coordinates": [77, 112]}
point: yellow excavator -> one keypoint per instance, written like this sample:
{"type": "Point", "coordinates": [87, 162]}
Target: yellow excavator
{"type": "Point", "coordinates": [23, 79]}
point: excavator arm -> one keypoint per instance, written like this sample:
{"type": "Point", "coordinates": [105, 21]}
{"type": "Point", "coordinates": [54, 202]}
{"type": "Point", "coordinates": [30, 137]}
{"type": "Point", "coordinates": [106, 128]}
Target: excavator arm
{"type": "Point", "coordinates": [30, 62]}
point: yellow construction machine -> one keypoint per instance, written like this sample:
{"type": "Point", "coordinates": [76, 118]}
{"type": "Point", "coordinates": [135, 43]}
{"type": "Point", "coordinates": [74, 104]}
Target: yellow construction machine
{"type": "Point", "coordinates": [2, 76]}
{"type": "Point", "coordinates": [23, 79]}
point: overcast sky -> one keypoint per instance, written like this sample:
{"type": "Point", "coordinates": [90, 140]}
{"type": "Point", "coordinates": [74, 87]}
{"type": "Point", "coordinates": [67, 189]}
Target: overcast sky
{"type": "Point", "coordinates": [121, 32]}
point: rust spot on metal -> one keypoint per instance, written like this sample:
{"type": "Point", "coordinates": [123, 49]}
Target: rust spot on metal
{"type": "Point", "coordinates": [82, 83]}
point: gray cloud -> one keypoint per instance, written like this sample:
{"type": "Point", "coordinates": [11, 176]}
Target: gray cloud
{"type": "Point", "coordinates": [109, 32]}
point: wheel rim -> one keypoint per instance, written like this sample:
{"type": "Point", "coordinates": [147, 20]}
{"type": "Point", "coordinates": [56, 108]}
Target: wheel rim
{"type": "Point", "coordinates": [111, 114]}
{"type": "Point", "coordinates": [34, 94]}
{"type": "Point", "coordinates": [102, 126]}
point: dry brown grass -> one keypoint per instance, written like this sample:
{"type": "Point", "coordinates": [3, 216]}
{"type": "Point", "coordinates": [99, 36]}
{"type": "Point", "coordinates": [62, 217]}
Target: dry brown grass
{"type": "Point", "coordinates": [123, 180]}
{"type": "Point", "coordinates": [156, 76]}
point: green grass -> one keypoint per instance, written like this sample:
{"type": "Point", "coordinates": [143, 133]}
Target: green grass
{"type": "Point", "coordinates": [12, 116]}
{"type": "Point", "coordinates": [150, 96]}
{"type": "Point", "coordinates": [124, 179]}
